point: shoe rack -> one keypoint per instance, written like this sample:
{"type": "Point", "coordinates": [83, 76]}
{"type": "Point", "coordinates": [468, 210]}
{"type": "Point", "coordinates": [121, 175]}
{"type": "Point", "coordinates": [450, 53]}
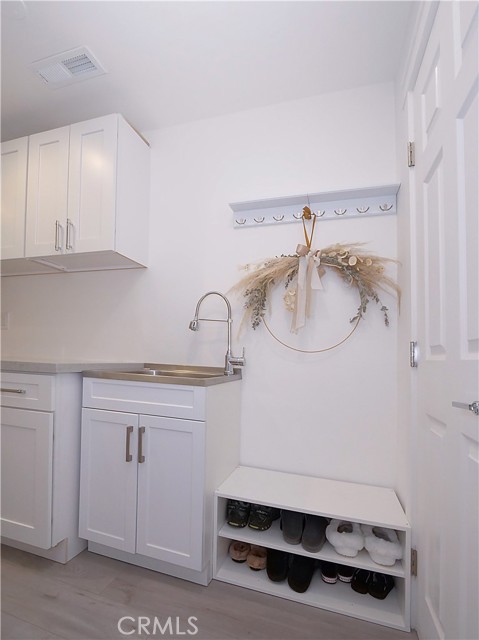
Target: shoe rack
{"type": "Point", "coordinates": [359, 503]}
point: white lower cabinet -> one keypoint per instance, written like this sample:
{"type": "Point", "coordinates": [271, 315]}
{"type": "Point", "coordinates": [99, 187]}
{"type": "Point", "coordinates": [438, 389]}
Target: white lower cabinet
{"type": "Point", "coordinates": [27, 464]}
{"type": "Point", "coordinates": [108, 486]}
{"type": "Point", "coordinates": [152, 456]}
{"type": "Point", "coordinates": [40, 443]}
{"type": "Point", "coordinates": [142, 485]}
{"type": "Point", "coordinates": [346, 501]}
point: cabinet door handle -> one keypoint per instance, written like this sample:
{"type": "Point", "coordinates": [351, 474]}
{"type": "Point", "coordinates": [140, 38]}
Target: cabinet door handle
{"type": "Point", "coordinates": [68, 244]}
{"type": "Point", "coordinates": [5, 390]}
{"type": "Point", "coordinates": [141, 457]}
{"type": "Point", "coordinates": [128, 456]}
{"type": "Point", "coordinates": [58, 226]}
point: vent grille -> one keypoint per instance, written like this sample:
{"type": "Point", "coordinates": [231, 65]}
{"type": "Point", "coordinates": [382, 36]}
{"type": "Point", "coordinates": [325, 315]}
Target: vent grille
{"type": "Point", "coordinates": [68, 67]}
{"type": "Point", "coordinates": [79, 64]}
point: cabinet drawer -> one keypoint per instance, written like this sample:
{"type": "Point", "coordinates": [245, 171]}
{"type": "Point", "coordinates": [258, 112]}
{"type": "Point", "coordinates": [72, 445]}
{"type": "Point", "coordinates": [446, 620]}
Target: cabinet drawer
{"type": "Point", "coordinates": [27, 391]}
{"type": "Point", "coordinates": [168, 400]}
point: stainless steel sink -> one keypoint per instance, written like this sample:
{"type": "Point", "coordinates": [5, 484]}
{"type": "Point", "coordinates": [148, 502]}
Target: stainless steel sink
{"type": "Point", "coordinates": [170, 374]}
{"type": "Point", "coordinates": [190, 373]}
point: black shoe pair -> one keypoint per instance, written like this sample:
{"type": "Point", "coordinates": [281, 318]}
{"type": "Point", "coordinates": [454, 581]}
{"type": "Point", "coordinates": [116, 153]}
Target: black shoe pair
{"type": "Point", "coordinates": [376, 584]}
{"type": "Point", "coordinates": [256, 516]}
{"type": "Point", "coordinates": [308, 529]}
{"type": "Point", "coordinates": [298, 569]}
{"type": "Point", "coordinates": [330, 572]}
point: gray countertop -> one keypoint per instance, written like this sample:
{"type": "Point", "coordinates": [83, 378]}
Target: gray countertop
{"type": "Point", "coordinates": [44, 365]}
{"type": "Point", "coordinates": [171, 374]}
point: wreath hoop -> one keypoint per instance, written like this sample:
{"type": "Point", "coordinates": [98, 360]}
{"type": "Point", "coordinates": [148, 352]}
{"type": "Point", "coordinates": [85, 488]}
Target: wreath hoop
{"type": "Point", "coordinates": [288, 346]}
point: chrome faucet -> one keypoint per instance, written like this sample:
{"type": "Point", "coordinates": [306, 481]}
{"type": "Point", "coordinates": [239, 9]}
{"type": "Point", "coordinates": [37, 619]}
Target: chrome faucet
{"type": "Point", "coordinates": [230, 359]}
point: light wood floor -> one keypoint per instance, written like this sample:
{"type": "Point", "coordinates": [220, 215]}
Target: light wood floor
{"type": "Point", "coordinates": [84, 599]}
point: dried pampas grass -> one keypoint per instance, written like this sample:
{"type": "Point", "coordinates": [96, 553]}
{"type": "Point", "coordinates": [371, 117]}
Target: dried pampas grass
{"type": "Point", "coordinates": [356, 268]}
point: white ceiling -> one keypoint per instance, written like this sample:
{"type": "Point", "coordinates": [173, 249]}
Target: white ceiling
{"type": "Point", "coordinates": [173, 62]}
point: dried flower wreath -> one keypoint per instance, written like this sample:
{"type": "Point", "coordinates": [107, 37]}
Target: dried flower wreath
{"type": "Point", "coordinates": [301, 273]}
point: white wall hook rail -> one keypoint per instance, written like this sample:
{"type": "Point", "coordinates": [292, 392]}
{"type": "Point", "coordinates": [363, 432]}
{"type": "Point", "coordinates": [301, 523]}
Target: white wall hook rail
{"type": "Point", "coordinates": [331, 205]}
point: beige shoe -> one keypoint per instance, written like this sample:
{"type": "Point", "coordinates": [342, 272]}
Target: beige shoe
{"type": "Point", "coordinates": [239, 551]}
{"type": "Point", "coordinates": [257, 558]}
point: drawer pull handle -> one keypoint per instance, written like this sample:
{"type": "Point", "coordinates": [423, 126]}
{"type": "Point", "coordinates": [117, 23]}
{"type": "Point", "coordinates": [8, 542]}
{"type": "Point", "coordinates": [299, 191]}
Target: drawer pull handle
{"type": "Point", "coordinates": [128, 456]}
{"type": "Point", "coordinates": [5, 390]}
{"type": "Point", "coordinates": [141, 457]}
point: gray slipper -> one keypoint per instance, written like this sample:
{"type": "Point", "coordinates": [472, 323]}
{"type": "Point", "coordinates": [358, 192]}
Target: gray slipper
{"type": "Point", "coordinates": [314, 533]}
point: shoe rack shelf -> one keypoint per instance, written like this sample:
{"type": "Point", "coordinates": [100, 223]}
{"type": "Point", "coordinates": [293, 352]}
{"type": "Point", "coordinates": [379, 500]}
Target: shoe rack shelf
{"type": "Point", "coordinates": [364, 504]}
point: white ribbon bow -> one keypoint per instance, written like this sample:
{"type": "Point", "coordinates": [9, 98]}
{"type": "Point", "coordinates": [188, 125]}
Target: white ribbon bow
{"type": "Point", "coordinates": [308, 280]}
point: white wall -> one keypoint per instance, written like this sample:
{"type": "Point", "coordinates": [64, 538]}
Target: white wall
{"type": "Point", "coordinates": [331, 414]}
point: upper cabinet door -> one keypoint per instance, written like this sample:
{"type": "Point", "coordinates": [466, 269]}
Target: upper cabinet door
{"type": "Point", "coordinates": [92, 185]}
{"type": "Point", "coordinates": [14, 197]}
{"type": "Point", "coordinates": [47, 193]}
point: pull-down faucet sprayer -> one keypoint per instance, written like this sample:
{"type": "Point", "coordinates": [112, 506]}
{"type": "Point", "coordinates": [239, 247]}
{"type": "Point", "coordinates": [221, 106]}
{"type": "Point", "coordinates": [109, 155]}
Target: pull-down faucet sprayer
{"type": "Point", "coordinates": [230, 359]}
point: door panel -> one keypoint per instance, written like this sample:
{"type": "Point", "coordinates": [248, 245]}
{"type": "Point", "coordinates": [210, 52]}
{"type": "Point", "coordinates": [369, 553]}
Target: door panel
{"type": "Point", "coordinates": [446, 231]}
{"type": "Point", "coordinates": [170, 491]}
{"type": "Point", "coordinates": [108, 481]}
{"type": "Point", "coordinates": [27, 458]}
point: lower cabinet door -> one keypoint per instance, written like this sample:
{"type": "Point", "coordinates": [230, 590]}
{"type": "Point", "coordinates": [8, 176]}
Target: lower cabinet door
{"type": "Point", "coordinates": [27, 466]}
{"type": "Point", "coordinates": [108, 481]}
{"type": "Point", "coordinates": [171, 490]}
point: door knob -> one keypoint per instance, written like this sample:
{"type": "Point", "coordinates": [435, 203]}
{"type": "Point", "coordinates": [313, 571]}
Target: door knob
{"type": "Point", "coordinates": [474, 406]}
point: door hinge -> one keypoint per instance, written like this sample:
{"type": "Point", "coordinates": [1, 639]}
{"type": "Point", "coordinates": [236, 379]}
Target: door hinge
{"type": "Point", "coordinates": [413, 354]}
{"type": "Point", "coordinates": [414, 562]}
{"type": "Point", "coordinates": [411, 154]}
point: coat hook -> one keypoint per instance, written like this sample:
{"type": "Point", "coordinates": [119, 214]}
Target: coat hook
{"type": "Point", "coordinates": [279, 218]}
{"type": "Point", "coordinates": [260, 220]}
{"type": "Point", "coordinates": [241, 221]}
{"type": "Point", "coordinates": [340, 212]}
{"type": "Point", "coordinates": [320, 213]}
{"type": "Point", "coordinates": [298, 216]}
{"type": "Point", "coordinates": [385, 207]}
{"type": "Point", "coordinates": [362, 209]}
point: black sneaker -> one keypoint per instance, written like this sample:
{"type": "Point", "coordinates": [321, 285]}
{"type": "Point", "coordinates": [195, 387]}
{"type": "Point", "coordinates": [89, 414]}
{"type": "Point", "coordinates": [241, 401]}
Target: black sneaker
{"type": "Point", "coordinates": [329, 572]}
{"type": "Point", "coordinates": [345, 574]}
{"type": "Point", "coordinates": [237, 513]}
{"type": "Point", "coordinates": [261, 517]}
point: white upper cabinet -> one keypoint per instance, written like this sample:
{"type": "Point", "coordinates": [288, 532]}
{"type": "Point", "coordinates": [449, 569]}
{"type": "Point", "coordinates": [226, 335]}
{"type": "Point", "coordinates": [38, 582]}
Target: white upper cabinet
{"type": "Point", "coordinates": [87, 204]}
{"type": "Point", "coordinates": [90, 222]}
{"type": "Point", "coordinates": [14, 197]}
{"type": "Point", "coordinates": [47, 192]}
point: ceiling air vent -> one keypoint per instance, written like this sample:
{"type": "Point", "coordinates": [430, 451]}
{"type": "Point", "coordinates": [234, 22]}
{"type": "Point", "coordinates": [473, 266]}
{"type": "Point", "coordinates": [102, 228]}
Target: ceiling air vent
{"type": "Point", "coordinates": [68, 67]}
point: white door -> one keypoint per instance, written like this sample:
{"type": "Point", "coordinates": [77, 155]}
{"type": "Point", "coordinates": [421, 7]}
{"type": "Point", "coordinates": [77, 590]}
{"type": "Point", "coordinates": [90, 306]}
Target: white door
{"type": "Point", "coordinates": [92, 185]}
{"type": "Point", "coordinates": [108, 478]}
{"type": "Point", "coordinates": [47, 192]}
{"type": "Point", "coordinates": [27, 458]}
{"type": "Point", "coordinates": [446, 226]}
{"type": "Point", "coordinates": [171, 491]}
{"type": "Point", "coordinates": [14, 197]}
